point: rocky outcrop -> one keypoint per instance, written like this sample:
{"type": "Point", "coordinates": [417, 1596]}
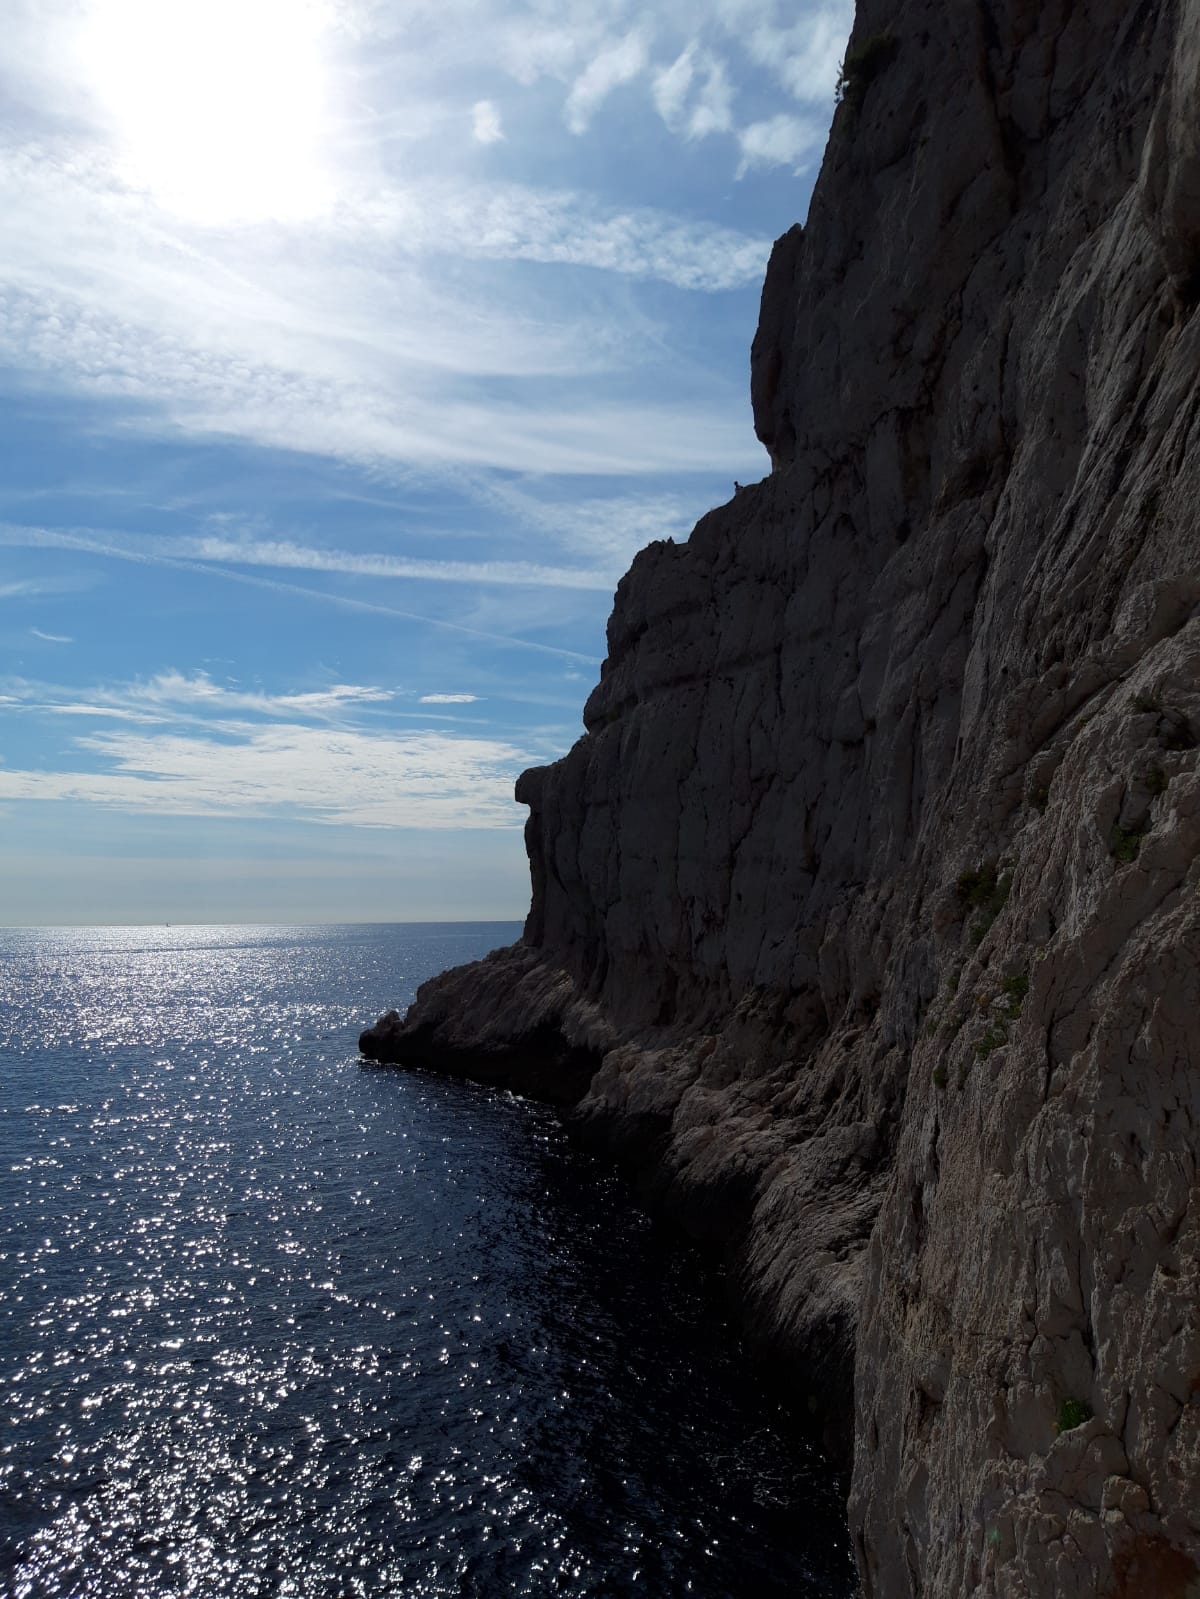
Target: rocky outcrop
{"type": "Point", "coordinates": [525, 1028]}
{"type": "Point", "coordinates": [872, 893]}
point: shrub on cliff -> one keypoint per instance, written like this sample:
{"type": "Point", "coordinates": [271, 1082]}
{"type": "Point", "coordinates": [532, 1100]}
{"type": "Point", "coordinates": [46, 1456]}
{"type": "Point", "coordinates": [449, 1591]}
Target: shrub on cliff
{"type": "Point", "coordinates": [861, 66]}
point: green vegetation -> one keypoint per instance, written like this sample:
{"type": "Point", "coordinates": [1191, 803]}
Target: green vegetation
{"type": "Point", "coordinates": [1072, 1413]}
{"type": "Point", "coordinates": [996, 1035]}
{"type": "Point", "coordinates": [1156, 780]}
{"type": "Point", "coordinates": [861, 66]}
{"type": "Point", "coordinates": [1015, 989]}
{"type": "Point", "coordinates": [973, 887]}
{"type": "Point", "coordinates": [1125, 843]}
{"type": "Point", "coordinates": [985, 891]}
{"type": "Point", "coordinates": [978, 889]}
{"type": "Point", "coordinates": [939, 1076]}
{"type": "Point", "coordinates": [1039, 797]}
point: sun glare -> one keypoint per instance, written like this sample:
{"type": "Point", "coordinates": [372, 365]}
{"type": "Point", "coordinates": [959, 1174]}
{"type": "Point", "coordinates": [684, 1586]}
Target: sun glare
{"type": "Point", "coordinates": [220, 107]}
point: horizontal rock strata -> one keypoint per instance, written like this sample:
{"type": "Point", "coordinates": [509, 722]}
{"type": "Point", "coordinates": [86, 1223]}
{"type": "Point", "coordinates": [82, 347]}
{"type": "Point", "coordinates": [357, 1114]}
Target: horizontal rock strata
{"type": "Point", "coordinates": [868, 909]}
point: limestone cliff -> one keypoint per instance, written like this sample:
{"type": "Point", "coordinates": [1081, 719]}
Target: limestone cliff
{"type": "Point", "coordinates": [871, 900]}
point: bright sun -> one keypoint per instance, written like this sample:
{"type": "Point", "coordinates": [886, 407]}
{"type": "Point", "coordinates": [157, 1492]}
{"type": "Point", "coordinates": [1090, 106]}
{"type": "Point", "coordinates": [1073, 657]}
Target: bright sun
{"type": "Point", "coordinates": [220, 107]}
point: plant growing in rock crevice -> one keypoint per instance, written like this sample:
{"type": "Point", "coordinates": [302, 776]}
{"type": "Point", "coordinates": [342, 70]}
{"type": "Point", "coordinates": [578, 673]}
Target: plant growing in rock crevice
{"type": "Point", "coordinates": [861, 66]}
{"type": "Point", "coordinates": [1125, 842]}
{"type": "Point", "coordinates": [1015, 988]}
{"type": "Point", "coordinates": [1072, 1413]}
{"type": "Point", "coordinates": [996, 1035]}
{"type": "Point", "coordinates": [986, 891]}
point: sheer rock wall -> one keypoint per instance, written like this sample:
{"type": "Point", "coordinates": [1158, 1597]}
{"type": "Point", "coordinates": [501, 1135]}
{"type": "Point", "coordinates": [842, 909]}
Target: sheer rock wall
{"type": "Point", "coordinates": [870, 898]}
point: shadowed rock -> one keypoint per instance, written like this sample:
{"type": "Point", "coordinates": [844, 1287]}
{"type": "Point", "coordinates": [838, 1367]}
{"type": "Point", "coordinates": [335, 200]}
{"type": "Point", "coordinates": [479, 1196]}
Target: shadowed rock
{"type": "Point", "coordinates": [518, 1026]}
{"type": "Point", "coordinates": [873, 891]}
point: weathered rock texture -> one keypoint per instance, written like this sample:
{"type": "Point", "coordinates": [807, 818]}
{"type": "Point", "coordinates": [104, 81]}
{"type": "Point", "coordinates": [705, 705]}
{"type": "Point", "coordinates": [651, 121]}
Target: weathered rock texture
{"type": "Point", "coordinates": [873, 892]}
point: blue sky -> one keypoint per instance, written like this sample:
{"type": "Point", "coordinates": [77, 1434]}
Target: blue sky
{"type": "Point", "coordinates": [348, 351]}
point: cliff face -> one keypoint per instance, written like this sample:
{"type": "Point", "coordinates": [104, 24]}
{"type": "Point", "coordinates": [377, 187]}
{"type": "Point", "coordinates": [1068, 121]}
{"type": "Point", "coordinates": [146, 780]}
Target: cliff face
{"type": "Point", "coordinates": [871, 899]}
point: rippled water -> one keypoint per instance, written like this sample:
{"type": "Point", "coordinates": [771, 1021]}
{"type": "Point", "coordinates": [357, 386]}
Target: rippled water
{"type": "Point", "coordinates": [275, 1324]}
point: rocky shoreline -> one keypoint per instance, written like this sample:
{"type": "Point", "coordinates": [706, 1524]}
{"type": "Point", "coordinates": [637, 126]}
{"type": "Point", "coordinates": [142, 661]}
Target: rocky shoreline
{"type": "Point", "coordinates": [866, 915]}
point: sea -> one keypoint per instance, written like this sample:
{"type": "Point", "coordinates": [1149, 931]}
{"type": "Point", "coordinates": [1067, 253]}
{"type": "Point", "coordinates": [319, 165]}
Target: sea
{"type": "Point", "coordinates": [277, 1322]}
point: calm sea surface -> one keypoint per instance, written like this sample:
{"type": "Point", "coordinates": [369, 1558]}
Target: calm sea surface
{"type": "Point", "coordinates": [273, 1323]}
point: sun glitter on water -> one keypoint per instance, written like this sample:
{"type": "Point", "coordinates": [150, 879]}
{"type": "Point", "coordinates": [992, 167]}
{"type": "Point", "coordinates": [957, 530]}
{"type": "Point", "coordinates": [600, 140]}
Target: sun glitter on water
{"type": "Point", "coordinates": [219, 108]}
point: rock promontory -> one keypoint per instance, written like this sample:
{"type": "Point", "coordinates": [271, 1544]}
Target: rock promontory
{"type": "Point", "coordinates": [866, 915]}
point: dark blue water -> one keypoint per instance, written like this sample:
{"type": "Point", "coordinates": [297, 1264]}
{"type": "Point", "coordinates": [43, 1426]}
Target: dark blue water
{"type": "Point", "coordinates": [272, 1323]}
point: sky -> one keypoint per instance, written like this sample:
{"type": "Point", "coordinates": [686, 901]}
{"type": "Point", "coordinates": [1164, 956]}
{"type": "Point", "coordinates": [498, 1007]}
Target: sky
{"type": "Point", "coordinates": [349, 349]}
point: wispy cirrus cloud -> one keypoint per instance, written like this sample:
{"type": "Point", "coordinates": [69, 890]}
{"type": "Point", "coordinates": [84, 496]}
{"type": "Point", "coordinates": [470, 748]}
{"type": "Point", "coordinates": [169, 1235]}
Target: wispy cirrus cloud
{"type": "Point", "coordinates": [513, 221]}
{"type": "Point", "coordinates": [348, 341]}
{"type": "Point", "coordinates": [615, 64]}
{"type": "Point", "coordinates": [172, 695]}
{"type": "Point", "coordinates": [608, 529]}
{"type": "Point", "coordinates": [51, 638]}
{"type": "Point", "coordinates": [90, 708]}
{"type": "Point", "coordinates": [149, 552]}
{"type": "Point", "coordinates": [445, 307]}
{"type": "Point", "coordinates": [337, 329]}
{"type": "Point", "coordinates": [198, 690]}
{"type": "Point", "coordinates": [285, 554]}
{"type": "Point", "coordinates": [33, 588]}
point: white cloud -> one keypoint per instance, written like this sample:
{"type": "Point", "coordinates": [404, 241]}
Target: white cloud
{"type": "Point", "coordinates": [530, 50]}
{"type": "Point", "coordinates": [316, 774]}
{"type": "Point", "coordinates": [778, 141]}
{"type": "Point", "coordinates": [713, 108]}
{"type": "Point", "coordinates": [486, 126]}
{"type": "Point", "coordinates": [449, 699]}
{"type": "Point", "coordinates": [285, 554]}
{"type": "Point", "coordinates": [51, 638]}
{"type": "Point", "coordinates": [671, 85]}
{"type": "Point", "coordinates": [346, 342]}
{"type": "Point", "coordinates": [799, 46]}
{"type": "Point", "coordinates": [177, 696]}
{"type": "Point", "coordinates": [349, 335]}
{"type": "Point", "coordinates": [187, 748]}
{"type": "Point", "coordinates": [609, 529]}
{"type": "Point", "coordinates": [112, 713]}
{"type": "Point", "coordinates": [804, 53]}
{"type": "Point", "coordinates": [616, 64]}
{"type": "Point", "coordinates": [199, 690]}
{"type": "Point", "coordinates": [148, 553]}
